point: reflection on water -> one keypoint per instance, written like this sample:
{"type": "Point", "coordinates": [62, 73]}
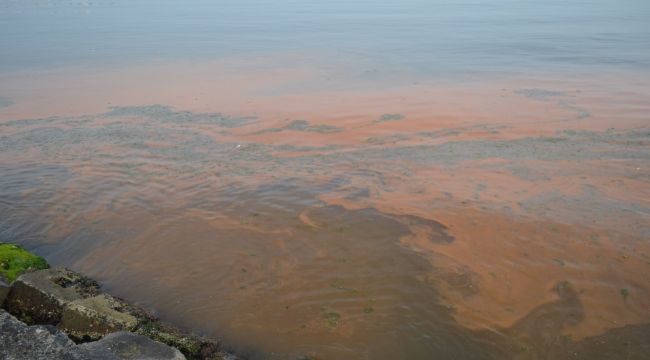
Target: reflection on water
{"type": "Point", "coordinates": [344, 180]}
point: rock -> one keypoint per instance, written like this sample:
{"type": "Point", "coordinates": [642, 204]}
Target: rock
{"type": "Point", "coordinates": [75, 305]}
{"type": "Point", "coordinates": [194, 347]}
{"type": "Point", "coordinates": [18, 341]}
{"type": "Point", "coordinates": [40, 297]}
{"type": "Point", "coordinates": [4, 291]}
{"type": "Point", "coordinates": [69, 300]}
{"type": "Point", "coordinates": [125, 345]}
{"type": "Point", "coordinates": [91, 318]}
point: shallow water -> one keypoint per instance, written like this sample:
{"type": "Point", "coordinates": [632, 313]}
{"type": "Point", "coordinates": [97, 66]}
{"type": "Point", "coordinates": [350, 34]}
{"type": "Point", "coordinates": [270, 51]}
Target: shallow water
{"type": "Point", "coordinates": [343, 180]}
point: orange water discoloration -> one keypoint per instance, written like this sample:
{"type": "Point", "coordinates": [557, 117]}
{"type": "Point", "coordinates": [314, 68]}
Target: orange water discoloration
{"type": "Point", "coordinates": [422, 213]}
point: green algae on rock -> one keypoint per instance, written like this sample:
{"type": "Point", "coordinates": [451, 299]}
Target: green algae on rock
{"type": "Point", "coordinates": [14, 260]}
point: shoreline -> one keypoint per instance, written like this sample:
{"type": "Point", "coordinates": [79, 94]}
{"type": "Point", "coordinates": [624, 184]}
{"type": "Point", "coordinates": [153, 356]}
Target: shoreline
{"type": "Point", "coordinates": [62, 314]}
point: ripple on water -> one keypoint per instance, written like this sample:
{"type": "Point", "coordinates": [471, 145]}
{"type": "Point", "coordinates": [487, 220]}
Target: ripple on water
{"type": "Point", "coordinates": [234, 241]}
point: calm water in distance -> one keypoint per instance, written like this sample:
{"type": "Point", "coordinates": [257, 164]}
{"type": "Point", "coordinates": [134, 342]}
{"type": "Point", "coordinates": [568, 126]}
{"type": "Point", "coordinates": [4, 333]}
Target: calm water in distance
{"type": "Point", "coordinates": [434, 36]}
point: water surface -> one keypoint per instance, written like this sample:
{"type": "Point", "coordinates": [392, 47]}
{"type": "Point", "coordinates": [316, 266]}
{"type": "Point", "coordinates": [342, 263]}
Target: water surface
{"type": "Point", "coordinates": [342, 180]}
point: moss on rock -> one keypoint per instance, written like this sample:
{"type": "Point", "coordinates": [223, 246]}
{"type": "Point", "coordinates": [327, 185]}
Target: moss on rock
{"type": "Point", "coordinates": [14, 260]}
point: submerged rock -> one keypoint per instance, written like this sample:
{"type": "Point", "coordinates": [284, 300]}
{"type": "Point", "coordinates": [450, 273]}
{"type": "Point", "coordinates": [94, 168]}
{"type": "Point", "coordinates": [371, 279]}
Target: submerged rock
{"type": "Point", "coordinates": [125, 345]}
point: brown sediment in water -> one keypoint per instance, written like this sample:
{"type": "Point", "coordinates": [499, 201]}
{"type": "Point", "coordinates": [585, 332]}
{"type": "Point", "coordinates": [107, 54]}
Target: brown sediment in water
{"type": "Point", "coordinates": [277, 92]}
{"type": "Point", "coordinates": [517, 263]}
{"type": "Point", "coordinates": [446, 209]}
{"type": "Point", "coordinates": [513, 241]}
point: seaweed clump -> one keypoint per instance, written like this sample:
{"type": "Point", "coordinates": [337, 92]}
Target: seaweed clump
{"type": "Point", "coordinates": [15, 260]}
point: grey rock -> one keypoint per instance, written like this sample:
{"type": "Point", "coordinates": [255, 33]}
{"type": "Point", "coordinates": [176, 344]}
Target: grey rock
{"type": "Point", "coordinates": [74, 304]}
{"type": "Point", "coordinates": [125, 345]}
{"type": "Point", "coordinates": [70, 301]}
{"type": "Point", "coordinates": [91, 318]}
{"type": "Point", "coordinates": [18, 341]}
{"type": "Point", "coordinates": [40, 297]}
